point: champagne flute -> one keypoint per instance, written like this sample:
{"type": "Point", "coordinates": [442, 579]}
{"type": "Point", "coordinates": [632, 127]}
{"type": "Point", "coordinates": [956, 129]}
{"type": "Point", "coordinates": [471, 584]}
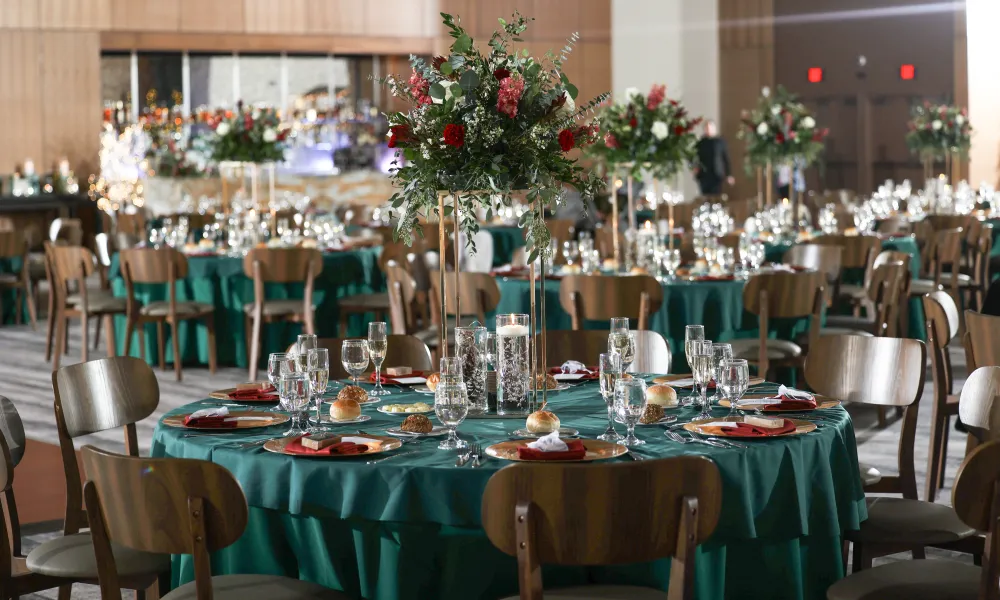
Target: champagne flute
{"type": "Point", "coordinates": [451, 405]}
{"type": "Point", "coordinates": [611, 372]}
{"type": "Point", "coordinates": [734, 377]}
{"type": "Point", "coordinates": [702, 371]}
{"type": "Point", "coordinates": [279, 364]}
{"type": "Point", "coordinates": [354, 356]}
{"type": "Point", "coordinates": [303, 344]}
{"type": "Point", "coordinates": [294, 393]}
{"type": "Point", "coordinates": [620, 341]}
{"type": "Point", "coordinates": [720, 353]}
{"type": "Point", "coordinates": [377, 345]}
{"type": "Point", "coordinates": [692, 333]}
{"type": "Point", "coordinates": [630, 404]}
{"type": "Point", "coordinates": [319, 377]}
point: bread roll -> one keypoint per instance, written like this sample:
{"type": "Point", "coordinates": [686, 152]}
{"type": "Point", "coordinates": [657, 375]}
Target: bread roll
{"type": "Point", "coordinates": [661, 395]}
{"type": "Point", "coordinates": [432, 381]}
{"type": "Point", "coordinates": [542, 421]}
{"type": "Point", "coordinates": [417, 424]}
{"type": "Point", "coordinates": [353, 392]}
{"type": "Point", "coordinates": [652, 414]}
{"type": "Point", "coordinates": [547, 380]}
{"type": "Point", "coordinates": [345, 409]}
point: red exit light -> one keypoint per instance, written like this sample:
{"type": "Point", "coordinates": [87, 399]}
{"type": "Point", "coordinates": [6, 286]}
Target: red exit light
{"type": "Point", "coordinates": [907, 72]}
{"type": "Point", "coordinates": [815, 74]}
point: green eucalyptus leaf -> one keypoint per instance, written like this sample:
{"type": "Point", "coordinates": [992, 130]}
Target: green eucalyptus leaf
{"type": "Point", "coordinates": [436, 91]}
{"type": "Point", "coordinates": [571, 90]}
{"type": "Point", "coordinates": [410, 153]}
{"type": "Point", "coordinates": [463, 44]}
{"type": "Point", "coordinates": [469, 81]}
{"type": "Point", "coordinates": [446, 68]}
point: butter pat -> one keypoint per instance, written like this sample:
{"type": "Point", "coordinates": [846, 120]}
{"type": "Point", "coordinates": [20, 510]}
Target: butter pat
{"type": "Point", "coordinates": [765, 422]}
{"type": "Point", "coordinates": [398, 371]}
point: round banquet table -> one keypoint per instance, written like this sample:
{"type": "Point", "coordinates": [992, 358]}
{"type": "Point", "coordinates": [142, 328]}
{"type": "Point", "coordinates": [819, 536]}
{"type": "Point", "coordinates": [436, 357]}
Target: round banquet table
{"type": "Point", "coordinates": [506, 239]}
{"type": "Point", "coordinates": [410, 527]}
{"type": "Point", "coordinates": [219, 280]}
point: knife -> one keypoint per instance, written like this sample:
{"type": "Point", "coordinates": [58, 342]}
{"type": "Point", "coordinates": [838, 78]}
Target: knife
{"type": "Point", "coordinates": [378, 460]}
{"type": "Point", "coordinates": [462, 459]}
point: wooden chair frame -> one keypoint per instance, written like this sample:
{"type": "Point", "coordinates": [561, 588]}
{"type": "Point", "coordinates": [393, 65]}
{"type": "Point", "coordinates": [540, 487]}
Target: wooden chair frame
{"type": "Point", "coordinates": [636, 297]}
{"type": "Point", "coordinates": [761, 306]}
{"type": "Point", "coordinates": [13, 247]}
{"type": "Point", "coordinates": [942, 326]}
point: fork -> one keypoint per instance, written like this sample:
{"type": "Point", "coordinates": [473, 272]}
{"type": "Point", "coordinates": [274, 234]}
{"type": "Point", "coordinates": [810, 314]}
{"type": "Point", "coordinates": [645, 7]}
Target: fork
{"type": "Point", "coordinates": [477, 451]}
{"type": "Point", "coordinates": [683, 440]}
{"type": "Point", "coordinates": [729, 443]}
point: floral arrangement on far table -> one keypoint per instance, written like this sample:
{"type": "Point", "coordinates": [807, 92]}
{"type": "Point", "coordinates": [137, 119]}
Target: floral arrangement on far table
{"type": "Point", "coordinates": [781, 130]}
{"type": "Point", "coordinates": [937, 130]}
{"type": "Point", "coordinates": [252, 135]}
{"type": "Point", "coordinates": [483, 126]}
{"type": "Point", "coordinates": [649, 132]}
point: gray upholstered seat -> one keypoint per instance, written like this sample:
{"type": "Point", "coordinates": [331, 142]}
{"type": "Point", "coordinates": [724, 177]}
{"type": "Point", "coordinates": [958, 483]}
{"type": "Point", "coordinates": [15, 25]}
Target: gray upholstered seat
{"type": "Point", "coordinates": [372, 302]}
{"type": "Point", "coordinates": [245, 587]}
{"type": "Point", "coordinates": [849, 322]}
{"type": "Point", "coordinates": [98, 301]}
{"type": "Point", "coordinates": [869, 474]}
{"type": "Point", "coordinates": [278, 307]}
{"type": "Point", "coordinates": [603, 592]}
{"type": "Point", "coordinates": [910, 580]}
{"type": "Point", "coordinates": [853, 291]}
{"type": "Point", "coordinates": [72, 556]}
{"type": "Point", "coordinates": [919, 287]}
{"type": "Point", "coordinates": [898, 521]}
{"type": "Point", "coordinates": [776, 349]}
{"type": "Point", "coordinates": [159, 309]}
{"type": "Point", "coordinates": [963, 280]}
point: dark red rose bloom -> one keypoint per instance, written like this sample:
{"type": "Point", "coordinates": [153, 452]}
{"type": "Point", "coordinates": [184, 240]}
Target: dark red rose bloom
{"type": "Point", "coordinates": [501, 74]}
{"type": "Point", "coordinates": [679, 130]}
{"type": "Point", "coordinates": [454, 135]}
{"type": "Point", "coordinates": [632, 122]}
{"type": "Point", "coordinates": [399, 135]}
{"type": "Point", "coordinates": [779, 138]}
{"type": "Point", "coordinates": [566, 140]}
{"type": "Point", "coordinates": [437, 61]}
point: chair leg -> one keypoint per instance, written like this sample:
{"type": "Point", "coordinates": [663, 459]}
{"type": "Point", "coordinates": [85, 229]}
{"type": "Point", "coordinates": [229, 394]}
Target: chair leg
{"type": "Point", "coordinates": [29, 294]}
{"type": "Point", "coordinates": [66, 340]}
{"type": "Point", "coordinates": [140, 331]}
{"type": "Point", "coordinates": [881, 417]}
{"type": "Point", "coordinates": [176, 338]}
{"type": "Point", "coordinates": [50, 329]}
{"type": "Point", "coordinates": [18, 298]}
{"type": "Point", "coordinates": [129, 330]}
{"type": "Point", "coordinates": [945, 422]}
{"type": "Point", "coordinates": [109, 335]}
{"type": "Point", "coordinates": [857, 564]}
{"type": "Point", "coordinates": [84, 335]}
{"type": "Point", "coordinates": [97, 334]}
{"type": "Point", "coordinates": [65, 592]}
{"type": "Point", "coordinates": [161, 343]}
{"type": "Point", "coordinates": [918, 553]}
{"type": "Point", "coordinates": [210, 326]}
{"type": "Point", "coordinates": [934, 455]}
{"type": "Point", "coordinates": [254, 346]}
{"type": "Point", "coordinates": [60, 322]}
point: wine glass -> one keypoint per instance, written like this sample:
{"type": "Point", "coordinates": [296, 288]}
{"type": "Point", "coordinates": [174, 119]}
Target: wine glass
{"type": "Point", "coordinates": [692, 333]}
{"type": "Point", "coordinates": [621, 341]}
{"type": "Point", "coordinates": [303, 344]}
{"type": "Point", "coordinates": [279, 364]}
{"type": "Point", "coordinates": [571, 250]}
{"type": "Point", "coordinates": [451, 405]}
{"type": "Point", "coordinates": [630, 404]}
{"type": "Point", "coordinates": [734, 379]}
{"type": "Point", "coordinates": [720, 352]}
{"type": "Point", "coordinates": [354, 356]}
{"type": "Point", "coordinates": [294, 393]}
{"type": "Point", "coordinates": [700, 358]}
{"type": "Point", "coordinates": [611, 371]}
{"type": "Point", "coordinates": [451, 369]}
{"type": "Point", "coordinates": [377, 345]}
{"type": "Point", "coordinates": [319, 377]}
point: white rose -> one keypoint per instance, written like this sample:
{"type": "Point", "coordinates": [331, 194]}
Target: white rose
{"type": "Point", "coordinates": [659, 130]}
{"type": "Point", "coordinates": [222, 129]}
{"type": "Point", "coordinates": [568, 108]}
{"type": "Point", "coordinates": [762, 129]}
{"type": "Point", "coordinates": [936, 125]}
{"type": "Point", "coordinates": [775, 110]}
{"type": "Point", "coordinates": [959, 119]}
{"type": "Point", "coordinates": [255, 114]}
{"type": "Point", "coordinates": [765, 91]}
{"type": "Point", "coordinates": [808, 122]}
{"type": "Point", "coordinates": [270, 136]}
{"type": "Point", "coordinates": [631, 93]}
{"type": "Point", "coordinates": [447, 92]}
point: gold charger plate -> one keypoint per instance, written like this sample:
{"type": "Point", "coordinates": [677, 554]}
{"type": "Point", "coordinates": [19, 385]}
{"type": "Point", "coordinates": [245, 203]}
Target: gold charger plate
{"type": "Point", "coordinates": [385, 444]}
{"type": "Point", "coordinates": [596, 450]}
{"type": "Point", "coordinates": [822, 403]}
{"type": "Point", "coordinates": [669, 379]}
{"type": "Point", "coordinates": [224, 395]}
{"type": "Point", "coordinates": [260, 420]}
{"type": "Point", "coordinates": [801, 426]}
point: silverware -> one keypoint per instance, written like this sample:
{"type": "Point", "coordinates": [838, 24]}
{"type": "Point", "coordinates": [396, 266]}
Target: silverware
{"type": "Point", "coordinates": [463, 458]}
{"type": "Point", "coordinates": [477, 450]}
{"type": "Point", "coordinates": [632, 454]}
{"type": "Point", "coordinates": [246, 445]}
{"type": "Point", "coordinates": [683, 440]}
{"type": "Point", "coordinates": [729, 443]}
{"type": "Point", "coordinates": [378, 460]}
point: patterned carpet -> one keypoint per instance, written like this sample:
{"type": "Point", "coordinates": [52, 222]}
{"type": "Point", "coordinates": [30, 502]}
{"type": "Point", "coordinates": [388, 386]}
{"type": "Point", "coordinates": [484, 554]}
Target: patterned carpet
{"type": "Point", "coordinates": [25, 378]}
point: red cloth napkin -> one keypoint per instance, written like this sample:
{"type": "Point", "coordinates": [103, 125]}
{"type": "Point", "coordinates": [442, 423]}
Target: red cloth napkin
{"type": "Point", "coordinates": [256, 395]}
{"type": "Point", "coordinates": [218, 422]}
{"type": "Point", "coordinates": [343, 448]}
{"type": "Point", "coordinates": [747, 430]}
{"type": "Point", "coordinates": [791, 404]}
{"type": "Point", "coordinates": [575, 451]}
{"type": "Point", "coordinates": [386, 379]}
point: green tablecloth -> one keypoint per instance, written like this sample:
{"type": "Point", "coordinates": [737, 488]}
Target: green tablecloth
{"type": "Point", "coordinates": [506, 239]}
{"type": "Point", "coordinates": [410, 528]}
{"type": "Point", "coordinates": [219, 280]}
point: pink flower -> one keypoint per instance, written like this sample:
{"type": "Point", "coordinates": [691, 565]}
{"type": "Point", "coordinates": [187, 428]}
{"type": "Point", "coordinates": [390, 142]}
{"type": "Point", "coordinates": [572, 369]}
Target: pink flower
{"type": "Point", "coordinates": [419, 88]}
{"type": "Point", "coordinates": [610, 140]}
{"type": "Point", "coordinates": [656, 95]}
{"type": "Point", "coordinates": [511, 89]}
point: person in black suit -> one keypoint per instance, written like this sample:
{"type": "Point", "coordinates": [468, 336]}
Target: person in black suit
{"type": "Point", "coordinates": [713, 161]}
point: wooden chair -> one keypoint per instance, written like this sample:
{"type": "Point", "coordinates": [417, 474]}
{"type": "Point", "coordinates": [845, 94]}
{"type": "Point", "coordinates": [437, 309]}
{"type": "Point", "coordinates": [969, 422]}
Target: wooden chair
{"type": "Point", "coordinates": [71, 266]}
{"type": "Point", "coordinates": [825, 259]}
{"type": "Point", "coordinates": [902, 308]}
{"type": "Point", "coordinates": [601, 297]}
{"type": "Point", "coordinates": [360, 304]}
{"type": "Point", "coordinates": [279, 265]}
{"type": "Point", "coordinates": [647, 510]}
{"type": "Point", "coordinates": [942, 222]}
{"type": "Point", "coordinates": [941, 315]}
{"type": "Point", "coordinates": [944, 248]}
{"type": "Point", "coordinates": [973, 282]}
{"type": "Point", "coordinates": [885, 372]}
{"type": "Point", "coordinates": [859, 252]}
{"type": "Point", "coordinates": [90, 397]}
{"type": "Point", "coordinates": [479, 292]}
{"type": "Point", "coordinates": [976, 498]}
{"type": "Point", "coordinates": [881, 305]}
{"type": "Point", "coordinates": [780, 296]}
{"type": "Point", "coordinates": [652, 353]}
{"type": "Point", "coordinates": [604, 241]}
{"type": "Point", "coordinates": [13, 245]}
{"type": "Point", "coordinates": [68, 231]}
{"type": "Point", "coordinates": [402, 351]}
{"type": "Point", "coordinates": [981, 340]}
{"type": "Point", "coordinates": [131, 224]}
{"type": "Point", "coordinates": [895, 226]}
{"type": "Point", "coordinates": [15, 578]}
{"type": "Point", "coordinates": [175, 506]}
{"type": "Point", "coordinates": [162, 266]}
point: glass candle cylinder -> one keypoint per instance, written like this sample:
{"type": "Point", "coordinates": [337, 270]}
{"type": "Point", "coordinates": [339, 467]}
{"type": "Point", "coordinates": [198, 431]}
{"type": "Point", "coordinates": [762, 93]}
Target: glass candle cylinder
{"type": "Point", "coordinates": [513, 364]}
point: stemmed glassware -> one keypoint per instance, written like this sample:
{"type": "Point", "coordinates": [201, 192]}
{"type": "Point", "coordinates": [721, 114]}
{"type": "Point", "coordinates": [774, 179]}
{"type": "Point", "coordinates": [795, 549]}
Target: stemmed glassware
{"type": "Point", "coordinates": [319, 377]}
{"type": "Point", "coordinates": [734, 379]}
{"type": "Point", "coordinates": [630, 404]}
{"type": "Point", "coordinates": [571, 250]}
{"type": "Point", "coordinates": [451, 405]}
{"type": "Point", "coordinates": [377, 345]}
{"type": "Point", "coordinates": [611, 372]}
{"type": "Point", "coordinates": [621, 341]}
{"type": "Point", "coordinates": [720, 353]}
{"type": "Point", "coordinates": [303, 344]}
{"type": "Point", "coordinates": [293, 389]}
{"type": "Point", "coordinates": [700, 359]}
{"type": "Point", "coordinates": [278, 365]}
{"type": "Point", "coordinates": [692, 333]}
{"type": "Point", "coordinates": [354, 356]}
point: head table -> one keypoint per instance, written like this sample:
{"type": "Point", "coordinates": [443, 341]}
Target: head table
{"type": "Point", "coordinates": [410, 527]}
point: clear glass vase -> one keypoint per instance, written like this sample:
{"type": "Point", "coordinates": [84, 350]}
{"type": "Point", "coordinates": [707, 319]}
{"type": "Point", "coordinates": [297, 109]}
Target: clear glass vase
{"type": "Point", "coordinates": [470, 350]}
{"type": "Point", "coordinates": [513, 364]}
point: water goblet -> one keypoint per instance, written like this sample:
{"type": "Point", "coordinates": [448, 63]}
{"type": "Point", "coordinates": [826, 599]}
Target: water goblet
{"type": "Point", "coordinates": [377, 346]}
{"type": "Point", "coordinates": [611, 371]}
{"type": "Point", "coordinates": [702, 371]}
{"type": "Point", "coordinates": [451, 405]}
{"type": "Point", "coordinates": [354, 356]}
{"type": "Point", "coordinates": [303, 344]}
{"type": "Point", "coordinates": [279, 364]}
{"type": "Point", "coordinates": [734, 379]}
{"type": "Point", "coordinates": [319, 377]}
{"type": "Point", "coordinates": [293, 391]}
{"type": "Point", "coordinates": [571, 250]}
{"type": "Point", "coordinates": [630, 404]}
{"type": "Point", "coordinates": [720, 353]}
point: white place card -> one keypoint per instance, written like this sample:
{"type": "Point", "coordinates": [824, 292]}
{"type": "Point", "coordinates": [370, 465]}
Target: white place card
{"type": "Point", "coordinates": [758, 402]}
{"type": "Point", "coordinates": [686, 382]}
{"type": "Point", "coordinates": [358, 440]}
{"type": "Point", "coordinates": [260, 418]}
{"type": "Point", "coordinates": [719, 424]}
{"type": "Point", "coordinates": [568, 376]}
{"type": "Point", "coordinates": [410, 380]}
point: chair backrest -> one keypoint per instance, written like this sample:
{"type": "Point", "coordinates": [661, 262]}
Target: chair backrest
{"type": "Point", "coordinates": [884, 291]}
{"type": "Point", "coordinates": [479, 292]}
{"type": "Point", "coordinates": [825, 259]}
{"type": "Point", "coordinates": [153, 265]}
{"type": "Point", "coordinates": [976, 498]}
{"type": "Point", "coordinates": [891, 256]}
{"type": "Point", "coordinates": [12, 443]}
{"type": "Point", "coordinates": [982, 340]}
{"type": "Point", "coordinates": [402, 293]}
{"type": "Point", "coordinates": [131, 224]}
{"type": "Point", "coordinates": [482, 260]}
{"type": "Point", "coordinates": [401, 351]}
{"type": "Point", "coordinates": [979, 403]}
{"type": "Point", "coordinates": [941, 313]}
{"type": "Point", "coordinates": [284, 265]}
{"type": "Point", "coordinates": [70, 263]}
{"type": "Point", "coordinates": [652, 353]}
{"type": "Point", "coordinates": [604, 240]}
{"type": "Point", "coordinates": [646, 510]}
{"type": "Point", "coordinates": [600, 297]}
{"type": "Point", "coordinates": [161, 505]}
{"type": "Point", "coordinates": [68, 230]}
{"type": "Point", "coordinates": [13, 244]}
{"type": "Point", "coordinates": [941, 222]}
{"type": "Point", "coordinates": [859, 250]}
{"type": "Point", "coordinates": [944, 248]}
{"type": "Point", "coordinates": [12, 430]}
{"type": "Point", "coordinates": [788, 295]}
{"type": "Point", "coordinates": [894, 225]}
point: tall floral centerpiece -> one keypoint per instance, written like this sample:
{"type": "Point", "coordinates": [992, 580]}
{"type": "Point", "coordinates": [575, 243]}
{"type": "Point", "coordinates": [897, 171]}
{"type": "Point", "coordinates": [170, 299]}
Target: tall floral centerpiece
{"type": "Point", "coordinates": [481, 126]}
{"type": "Point", "coordinates": [645, 133]}
{"type": "Point", "coordinates": [940, 131]}
{"type": "Point", "coordinates": [780, 131]}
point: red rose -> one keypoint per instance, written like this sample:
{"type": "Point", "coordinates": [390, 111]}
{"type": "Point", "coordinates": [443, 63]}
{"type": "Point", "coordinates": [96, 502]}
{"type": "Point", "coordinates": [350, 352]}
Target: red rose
{"type": "Point", "coordinates": [779, 138]}
{"type": "Point", "coordinates": [454, 135]}
{"type": "Point", "coordinates": [566, 140]}
{"type": "Point", "coordinates": [501, 74]}
{"type": "Point", "coordinates": [632, 122]}
{"type": "Point", "coordinates": [679, 130]}
{"type": "Point", "coordinates": [610, 140]}
{"type": "Point", "coordinates": [818, 137]}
